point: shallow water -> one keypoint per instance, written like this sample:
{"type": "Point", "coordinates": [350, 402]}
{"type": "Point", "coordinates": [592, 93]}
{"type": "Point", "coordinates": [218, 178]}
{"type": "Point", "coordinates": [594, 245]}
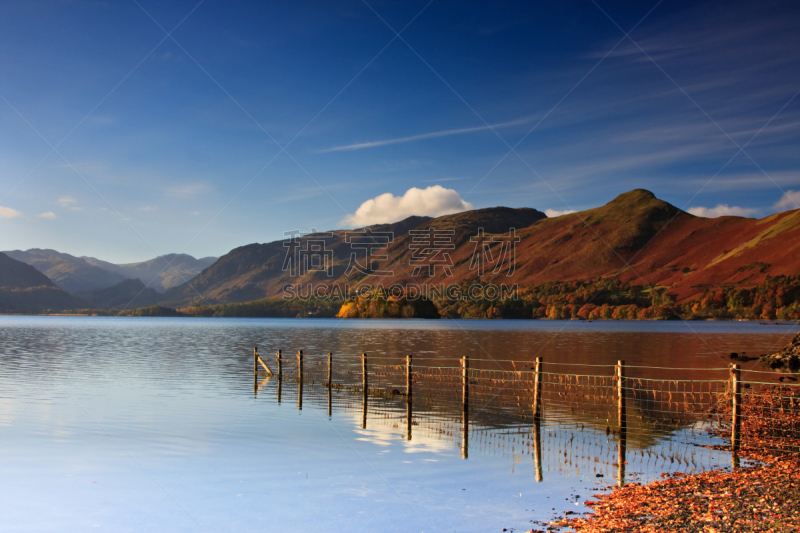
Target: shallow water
{"type": "Point", "coordinates": [154, 424]}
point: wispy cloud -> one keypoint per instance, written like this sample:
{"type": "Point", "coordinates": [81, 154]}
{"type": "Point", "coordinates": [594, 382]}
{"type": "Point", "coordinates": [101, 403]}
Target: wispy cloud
{"type": "Point", "coordinates": [746, 181]}
{"type": "Point", "coordinates": [148, 208]}
{"type": "Point", "coordinates": [7, 212]}
{"type": "Point", "coordinates": [385, 208]}
{"type": "Point", "coordinates": [789, 200]}
{"type": "Point", "coordinates": [49, 215]}
{"type": "Point", "coordinates": [552, 213]}
{"type": "Point", "coordinates": [67, 201]}
{"type": "Point", "coordinates": [422, 136]}
{"type": "Point", "coordinates": [722, 210]}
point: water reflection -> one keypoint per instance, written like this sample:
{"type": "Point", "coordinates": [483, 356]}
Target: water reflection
{"type": "Point", "coordinates": [140, 403]}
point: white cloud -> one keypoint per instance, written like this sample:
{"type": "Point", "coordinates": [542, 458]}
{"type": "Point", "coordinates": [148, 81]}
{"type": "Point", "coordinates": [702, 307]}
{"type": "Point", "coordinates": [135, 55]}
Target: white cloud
{"type": "Point", "coordinates": [431, 135]}
{"type": "Point", "coordinates": [148, 208]}
{"type": "Point", "coordinates": [789, 200]}
{"type": "Point", "coordinates": [48, 215]}
{"type": "Point", "coordinates": [66, 201]}
{"type": "Point", "coordinates": [722, 210]}
{"type": "Point", "coordinates": [433, 201]}
{"type": "Point", "coordinates": [552, 213]}
{"type": "Point", "coordinates": [7, 212]}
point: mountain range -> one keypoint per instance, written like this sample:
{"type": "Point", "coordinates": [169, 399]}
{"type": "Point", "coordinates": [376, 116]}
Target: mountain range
{"type": "Point", "coordinates": [80, 275]}
{"type": "Point", "coordinates": [635, 238]}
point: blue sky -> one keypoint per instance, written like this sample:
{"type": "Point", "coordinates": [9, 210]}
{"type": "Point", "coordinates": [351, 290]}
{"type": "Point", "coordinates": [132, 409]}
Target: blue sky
{"type": "Point", "coordinates": [129, 130]}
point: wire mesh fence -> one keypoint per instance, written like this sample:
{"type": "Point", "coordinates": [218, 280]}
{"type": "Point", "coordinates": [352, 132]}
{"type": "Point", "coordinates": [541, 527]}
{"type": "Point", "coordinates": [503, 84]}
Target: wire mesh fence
{"type": "Point", "coordinates": [642, 407]}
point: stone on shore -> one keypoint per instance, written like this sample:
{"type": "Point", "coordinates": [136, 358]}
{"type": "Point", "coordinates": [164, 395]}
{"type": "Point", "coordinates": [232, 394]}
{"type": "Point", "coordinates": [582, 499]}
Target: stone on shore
{"type": "Point", "coordinates": [786, 359]}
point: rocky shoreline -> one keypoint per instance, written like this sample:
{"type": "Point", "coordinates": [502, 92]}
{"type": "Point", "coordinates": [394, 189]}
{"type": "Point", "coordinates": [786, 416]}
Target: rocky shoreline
{"type": "Point", "coordinates": [786, 359]}
{"type": "Point", "coordinates": [763, 496]}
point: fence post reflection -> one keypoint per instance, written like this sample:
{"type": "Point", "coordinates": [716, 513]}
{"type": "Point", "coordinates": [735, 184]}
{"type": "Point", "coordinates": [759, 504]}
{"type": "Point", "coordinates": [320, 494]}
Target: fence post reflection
{"type": "Point", "coordinates": [537, 449]}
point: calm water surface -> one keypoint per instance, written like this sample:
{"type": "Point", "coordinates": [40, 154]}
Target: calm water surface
{"type": "Point", "coordinates": [139, 424]}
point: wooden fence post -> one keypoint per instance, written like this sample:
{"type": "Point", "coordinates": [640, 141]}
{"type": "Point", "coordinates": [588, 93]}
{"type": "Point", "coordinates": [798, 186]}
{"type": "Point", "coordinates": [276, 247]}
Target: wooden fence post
{"type": "Point", "coordinates": [408, 377]}
{"type": "Point", "coordinates": [365, 388]}
{"type": "Point", "coordinates": [330, 387]}
{"type": "Point", "coordinates": [623, 423]}
{"type": "Point", "coordinates": [465, 379]}
{"type": "Point", "coordinates": [300, 380]}
{"type": "Point", "coordinates": [465, 408]}
{"type": "Point", "coordinates": [300, 365]}
{"type": "Point", "coordinates": [409, 369]}
{"type": "Point", "coordinates": [621, 414]}
{"type": "Point", "coordinates": [537, 390]}
{"type": "Point", "coordinates": [280, 373]}
{"type": "Point", "coordinates": [258, 361]}
{"type": "Point", "coordinates": [736, 388]}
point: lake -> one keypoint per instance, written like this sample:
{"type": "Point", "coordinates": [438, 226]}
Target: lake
{"type": "Point", "coordinates": [158, 424]}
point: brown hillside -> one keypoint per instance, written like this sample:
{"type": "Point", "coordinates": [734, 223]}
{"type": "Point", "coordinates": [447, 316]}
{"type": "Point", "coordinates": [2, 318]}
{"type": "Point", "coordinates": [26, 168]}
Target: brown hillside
{"type": "Point", "coordinates": [636, 238]}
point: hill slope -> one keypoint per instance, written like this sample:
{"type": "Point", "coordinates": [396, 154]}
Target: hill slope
{"type": "Point", "coordinates": [635, 238]}
{"type": "Point", "coordinates": [73, 274]}
{"type": "Point", "coordinates": [23, 289]}
{"type": "Point", "coordinates": [160, 273]}
{"type": "Point", "coordinates": [128, 294]}
{"type": "Point", "coordinates": [256, 270]}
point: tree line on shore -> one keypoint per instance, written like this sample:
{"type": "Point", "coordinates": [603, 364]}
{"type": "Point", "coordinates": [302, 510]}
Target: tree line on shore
{"type": "Point", "coordinates": [776, 298]}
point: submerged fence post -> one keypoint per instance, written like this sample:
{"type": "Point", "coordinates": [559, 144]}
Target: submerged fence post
{"type": "Point", "coordinates": [465, 408]}
{"type": "Point", "coordinates": [364, 385]}
{"type": "Point", "coordinates": [537, 390]}
{"type": "Point", "coordinates": [623, 423]}
{"type": "Point", "coordinates": [408, 397]}
{"type": "Point", "coordinates": [736, 388]}
{"type": "Point", "coordinates": [255, 359]}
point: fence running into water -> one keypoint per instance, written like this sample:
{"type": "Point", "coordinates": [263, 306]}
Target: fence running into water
{"type": "Point", "coordinates": [635, 406]}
